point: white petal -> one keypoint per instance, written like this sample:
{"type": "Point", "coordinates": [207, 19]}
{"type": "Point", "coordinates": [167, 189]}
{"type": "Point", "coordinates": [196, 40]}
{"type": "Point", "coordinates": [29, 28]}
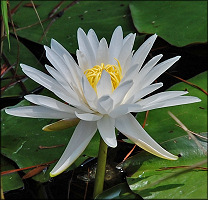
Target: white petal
{"type": "Point", "coordinates": [158, 70]}
{"type": "Point", "coordinates": [82, 60]}
{"type": "Point", "coordinates": [75, 72]}
{"type": "Point", "coordinates": [38, 112]}
{"type": "Point", "coordinates": [58, 48]}
{"type": "Point", "coordinates": [58, 63]}
{"type": "Point", "coordinates": [120, 92]}
{"type": "Point", "coordinates": [102, 52]}
{"type": "Point", "coordinates": [123, 109]}
{"type": "Point", "coordinates": [130, 74]}
{"type": "Point", "coordinates": [148, 66]}
{"type": "Point", "coordinates": [89, 93]}
{"type": "Point", "coordinates": [92, 37]}
{"type": "Point", "coordinates": [161, 97]}
{"type": "Point", "coordinates": [88, 116]}
{"type": "Point", "coordinates": [116, 44]}
{"type": "Point", "coordinates": [138, 77]}
{"type": "Point", "coordinates": [126, 50]}
{"type": "Point", "coordinates": [127, 37]}
{"type": "Point", "coordinates": [106, 127]}
{"type": "Point", "coordinates": [141, 54]}
{"type": "Point", "coordinates": [130, 127]}
{"type": "Point", "coordinates": [127, 64]}
{"type": "Point", "coordinates": [77, 144]}
{"type": "Point", "coordinates": [169, 102]}
{"type": "Point", "coordinates": [58, 77]}
{"type": "Point", "coordinates": [105, 104]}
{"type": "Point", "coordinates": [85, 47]}
{"type": "Point", "coordinates": [51, 84]}
{"type": "Point", "coordinates": [50, 103]}
{"type": "Point", "coordinates": [145, 91]}
{"type": "Point", "coordinates": [104, 86]}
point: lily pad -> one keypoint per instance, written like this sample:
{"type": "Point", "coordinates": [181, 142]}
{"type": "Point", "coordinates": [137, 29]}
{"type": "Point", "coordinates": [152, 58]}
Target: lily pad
{"type": "Point", "coordinates": [10, 181]}
{"type": "Point", "coordinates": [180, 23]}
{"type": "Point", "coordinates": [155, 178]}
{"type": "Point", "coordinates": [120, 191]}
{"type": "Point", "coordinates": [102, 16]}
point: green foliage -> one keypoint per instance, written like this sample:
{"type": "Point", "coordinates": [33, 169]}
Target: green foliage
{"type": "Point", "coordinates": [178, 22]}
{"type": "Point", "coordinates": [10, 181]}
{"type": "Point", "coordinates": [155, 178]}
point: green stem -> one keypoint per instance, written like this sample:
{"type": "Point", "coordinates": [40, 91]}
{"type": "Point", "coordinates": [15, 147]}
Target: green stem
{"type": "Point", "coordinates": [100, 172]}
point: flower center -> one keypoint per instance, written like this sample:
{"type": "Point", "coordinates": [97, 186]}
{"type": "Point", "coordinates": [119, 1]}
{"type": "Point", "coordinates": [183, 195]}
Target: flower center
{"type": "Point", "coordinates": [93, 75]}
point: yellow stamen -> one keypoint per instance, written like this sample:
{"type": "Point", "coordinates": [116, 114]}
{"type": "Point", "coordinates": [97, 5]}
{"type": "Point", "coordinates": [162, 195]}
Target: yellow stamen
{"type": "Point", "coordinates": [93, 75]}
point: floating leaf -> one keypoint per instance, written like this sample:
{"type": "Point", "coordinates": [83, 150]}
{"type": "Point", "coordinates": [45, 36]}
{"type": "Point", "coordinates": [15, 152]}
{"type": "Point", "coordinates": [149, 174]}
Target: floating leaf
{"type": "Point", "coordinates": [120, 191]}
{"type": "Point", "coordinates": [178, 22]}
{"type": "Point", "coordinates": [155, 178]}
{"type": "Point", "coordinates": [102, 16]}
{"type": "Point", "coordinates": [9, 181]}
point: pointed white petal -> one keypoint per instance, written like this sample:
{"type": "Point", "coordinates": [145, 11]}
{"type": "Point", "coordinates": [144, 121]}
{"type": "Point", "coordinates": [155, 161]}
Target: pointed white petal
{"type": "Point", "coordinates": [130, 127]}
{"type": "Point", "coordinates": [148, 66]}
{"type": "Point", "coordinates": [38, 112]}
{"type": "Point", "coordinates": [77, 144]}
{"type": "Point", "coordinates": [89, 93]}
{"type": "Point", "coordinates": [58, 63]}
{"type": "Point", "coordinates": [127, 37]}
{"type": "Point", "coordinates": [130, 74]}
{"type": "Point", "coordinates": [158, 70]}
{"type": "Point", "coordinates": [126, 50]}
{"type": "Point", "coordinates": [51, 84]}
{"type": "Point", "coordinates": [123, 109]}
{"type": "Point", "coordinates": [59, 78]}
{"type": "Point", "coordinates": [105, 104]}
{"type": "Point", "coordinates": [138, 77]}
{"type": "Point", "coordinates": [106, 127]}
{"type": "Point", "coordinates": [104, 86]}
{"type": "Point", "coordinates": [85, 47]}
{"type": "Point", "coordinates": [88, 116]}
{"type": "Point", "coordinates": [82, 61]}
{"type": "Point", "coordinates": [127, 65]}
{"type": "Point", "coordinates": [145, 91]}
{"type": "Point", "coordinates": [92, 37]}
{"type": "Point", "coordinates": [58, 48]}
{"type": "Point", "coordinates": [102, 52]}
{"type": "Point", "coordinates": [116, 44]}
{"type": "Point", "coordinates": [50, 103]}
{"type": "Point", "coordinates": [75, 72]}
{"type": "Point", "coordinates": [159, 97]}
{"type": "Point", "coordinates": [141, 54]}
{"type": "Point", "coordinates": [169, 102]}
{"type": "Point", "coordinates": [120, 92]}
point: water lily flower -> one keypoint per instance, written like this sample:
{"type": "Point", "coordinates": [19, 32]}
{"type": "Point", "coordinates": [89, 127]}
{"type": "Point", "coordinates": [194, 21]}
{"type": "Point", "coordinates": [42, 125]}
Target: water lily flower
{"type": "Point", "coordinates": [100, 91]}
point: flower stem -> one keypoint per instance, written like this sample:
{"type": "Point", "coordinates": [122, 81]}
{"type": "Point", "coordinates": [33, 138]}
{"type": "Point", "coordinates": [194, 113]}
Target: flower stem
{"type": "Point", "coordinates": [100, 172]}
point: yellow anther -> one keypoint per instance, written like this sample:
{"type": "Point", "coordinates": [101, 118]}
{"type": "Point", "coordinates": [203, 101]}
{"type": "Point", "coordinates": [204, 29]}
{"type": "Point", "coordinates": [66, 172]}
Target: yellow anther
{"type": "Point", "coordinates": [93, 75]}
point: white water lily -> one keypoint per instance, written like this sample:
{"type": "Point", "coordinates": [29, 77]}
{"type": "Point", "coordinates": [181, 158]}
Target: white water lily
{"type": "Point", "coordinates": [101, 90]}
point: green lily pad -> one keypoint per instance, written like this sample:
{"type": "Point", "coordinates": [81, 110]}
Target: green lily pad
{"type": "Point", "coordinates": [178, 22]}
{"type": "Point", "coordinates": [120, 191]}
{"type": "Point", "coordinates": [102, 16]}
{"type": "Point", "coordinates": [156, 178]}
{"type": "Point", "coordinates": [10, 181]}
